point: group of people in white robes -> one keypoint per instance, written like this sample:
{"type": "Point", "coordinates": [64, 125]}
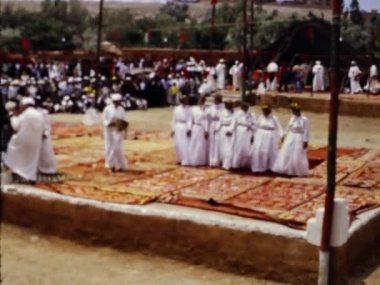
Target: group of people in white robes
{"type": "Point", "coordinates": [30, 150]}
{"type": "Point", "coordinates": [219, 136]}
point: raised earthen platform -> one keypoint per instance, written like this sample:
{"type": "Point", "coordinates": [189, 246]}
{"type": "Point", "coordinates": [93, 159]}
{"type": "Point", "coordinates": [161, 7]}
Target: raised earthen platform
{"type": "Point", "coordinates": [225, 242]}
{"type": "Point", "coordinates": [350, 105]}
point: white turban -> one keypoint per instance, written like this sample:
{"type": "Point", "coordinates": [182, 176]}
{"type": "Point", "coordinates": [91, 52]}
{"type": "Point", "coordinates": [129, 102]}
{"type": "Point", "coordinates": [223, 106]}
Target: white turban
{"type": "Point", "coordinates": [27, 101]}
{"type": "Point", "coordinates": [116, 97]}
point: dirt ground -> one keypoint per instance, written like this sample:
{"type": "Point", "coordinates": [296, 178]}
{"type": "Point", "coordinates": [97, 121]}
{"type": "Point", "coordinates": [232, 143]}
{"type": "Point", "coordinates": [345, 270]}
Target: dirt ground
{"type": "Point", "coordinates": [28, 257]}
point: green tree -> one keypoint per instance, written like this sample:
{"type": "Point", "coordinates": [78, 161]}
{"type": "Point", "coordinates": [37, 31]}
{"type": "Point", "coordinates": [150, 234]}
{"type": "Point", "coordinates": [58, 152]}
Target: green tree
{"type": "Point", "coordinates": [355, 13]}
{"type": "Point", "coordinates": [176, 10]}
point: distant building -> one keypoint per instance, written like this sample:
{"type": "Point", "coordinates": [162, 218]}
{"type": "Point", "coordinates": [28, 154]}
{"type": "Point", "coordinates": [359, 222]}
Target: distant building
{"type": "Point", "coordinates": [316, 2]}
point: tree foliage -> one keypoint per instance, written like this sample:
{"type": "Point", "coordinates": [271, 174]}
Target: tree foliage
{"type": "Point", "coordinates": [61, 25]}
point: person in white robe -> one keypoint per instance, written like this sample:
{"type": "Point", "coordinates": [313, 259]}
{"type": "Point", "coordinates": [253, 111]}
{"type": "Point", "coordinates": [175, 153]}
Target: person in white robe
{"type": "Point", "coordinates": [266, 142]}
{"type": "Point", "coordinates": [198, 146]}
{"type": "Point", "coordinates": [220, 70]}
{"type": "Point", "coordinates": [90, 117]}
{"type": "Point", "coordinates": [181, 130]}
{"type": "Point", "coordinates": [292, 159]}
{"type": "Point", "coordinates": [318, 77]}
{"type": "Point", "coordinates": [209, 85]}
{"type": "Point", "coordinates": [23, 152]}
{"type": "Point", "coordinates": [373, 83]}
{"type": "Point", "coordinates": [214, 116]}
{"type": "Point", "coordinates": [244, 137]}
{"type": "Point", "coordinates": [47, 163]}
{"type": "Point", "coordinates": [354, 76]}
{"type": "Point", "coordinates": [113, 138]}
{"type": "Point", "coordinates": [272, 70]}
{"type": "Point", "coordinates": [235, 73]}
{"type": "Point", "coordinates": [226, 134]}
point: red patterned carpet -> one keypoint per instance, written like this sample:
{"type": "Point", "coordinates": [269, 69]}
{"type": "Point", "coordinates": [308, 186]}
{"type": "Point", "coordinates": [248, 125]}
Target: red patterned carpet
{"type": "Point", "coordinates": [154, 176]}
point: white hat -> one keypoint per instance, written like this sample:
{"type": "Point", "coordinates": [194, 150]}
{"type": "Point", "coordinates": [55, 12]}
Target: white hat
{"type": "Point", "coordinates": [10, 105]}
{"type": "Point", "coordinates": [318, 62]}
{"type": "Point", "coordinates": [116, 97]}
{"type": "Point", "coordinates": [27, 101]}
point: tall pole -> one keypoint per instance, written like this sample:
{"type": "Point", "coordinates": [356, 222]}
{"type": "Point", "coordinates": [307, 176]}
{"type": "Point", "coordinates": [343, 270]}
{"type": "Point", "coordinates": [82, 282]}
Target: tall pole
{"type": "Point", "coordinates": [98, 50]}
{"type": "Point", "coordinates": [251, 45]}
{"type": "Point", "coordinates": [213, 13]}
{"type": "Point", "coordinates": [324, 267]}
{"type": "Point", "coordinates": [245, 50]}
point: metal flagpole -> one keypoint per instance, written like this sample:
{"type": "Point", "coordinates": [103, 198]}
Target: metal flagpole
{"type": "Point", "coordinates": [98, 50]}
{"type": "Point", "coordinates": [324, 266]}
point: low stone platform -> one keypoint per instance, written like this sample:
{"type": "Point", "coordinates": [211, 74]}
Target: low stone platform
{"type": "Point", "coordinates": [350, 105]}
{"type": "Point", "coordinates": [225, 242]}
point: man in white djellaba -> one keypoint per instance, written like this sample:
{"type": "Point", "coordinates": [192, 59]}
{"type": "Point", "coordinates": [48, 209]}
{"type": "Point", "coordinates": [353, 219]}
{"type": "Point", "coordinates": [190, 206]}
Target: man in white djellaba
{"type": "Point", "coordinates": [220, 70]}
{"type": "Point", "coordinates": [372, 84]}
{"type": "Point", "coordinates": [198, 145]}
{"type": "Point", "coordinates": [23, 152]}
{"type": "Point", "coordinates": [214, 115]}
{"type": "Point", "coordinates": [272, 70]}
{"type": "Point", "coordinates": [244, 136]}
{"type": "Point", "coordinates": [319, 75]}
{"type": "Point", "coordinates": [115, 128]}
{"type": "Point", "coordinates": [209, 85]}
{"type": "Point", "coordinates": [226, 132]}
{"type": "Point", "coordinates": [181, 130]}
{"type": "Point", "coordinates": [354, 76]}
{"type": "Point", "coordinates": [292, 159]}
{"type": "Point", "coordinates": [235, 72]}
{"type": "Point", "coordinates": [267, 137]}
{"type": "Point", "coordinates": [47, 163]}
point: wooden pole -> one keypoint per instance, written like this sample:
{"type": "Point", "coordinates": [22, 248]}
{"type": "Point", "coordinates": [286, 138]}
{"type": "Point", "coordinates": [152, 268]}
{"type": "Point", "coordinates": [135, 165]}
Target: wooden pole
{"type": "Point", "coordinates": [251, 47]}
{"type": "Point", "coordinates": [213, 12]}
{"type": "Point", "coordinates": [325, 275]}
{"type": "Point", "coordinates": [98, 50]}
{"type": "Point", "coordinates": [245, 51]}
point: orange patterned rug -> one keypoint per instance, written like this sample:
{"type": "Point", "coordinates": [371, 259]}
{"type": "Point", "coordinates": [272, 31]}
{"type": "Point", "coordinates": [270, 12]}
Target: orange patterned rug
{"type": "Point", "coordinates": [154, 176]}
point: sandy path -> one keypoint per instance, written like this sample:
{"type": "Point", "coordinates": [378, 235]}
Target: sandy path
{"type": "Point", "coordinates": [28, 258]}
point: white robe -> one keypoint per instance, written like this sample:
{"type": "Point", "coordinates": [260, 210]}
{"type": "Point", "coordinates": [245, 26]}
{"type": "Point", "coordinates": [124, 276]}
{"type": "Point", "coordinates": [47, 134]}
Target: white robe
{"type": "Point", "coordinates": [245, 129]}
{"type": "Point", "coordinates": [272, 69]}
{"type": "Point", "coordinates": [209, 85]}
{"type": "Point", "coordinates": [372, 84]}
{"type": "Point", "coordinates": [47, 163]}
{"type": "Point", "coordinates": [181, 124]}
{"type": "Point", "coordinates": [214, 114]}
{"type": "Point", "coordinates": [198, 146]}
{"type": "Point", "coordinates": [220, 70]}
{"type": "Point", "coordinates": [115, 158]}
{"type": "Point", "coordinates": [226, 143]}
{"type": "Point", "coordinates": [265, 146]}
{"type": "Point", "coordinates": [23, 152]}
{"type": "Point", "coordinates": [353, 73]}
{"type": "Point", "coordinates": [235, 74]}
{"type": "Point", "coordinates": [318, 79]}
{"type": "Point", "coordinates": [90, 117]}
{"type": "Point", "coordinates": [292, 159]}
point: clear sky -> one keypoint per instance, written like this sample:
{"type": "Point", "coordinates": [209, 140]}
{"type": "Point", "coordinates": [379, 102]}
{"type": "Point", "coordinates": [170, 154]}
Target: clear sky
{"type": "Point", "coordinates": [367, 4]}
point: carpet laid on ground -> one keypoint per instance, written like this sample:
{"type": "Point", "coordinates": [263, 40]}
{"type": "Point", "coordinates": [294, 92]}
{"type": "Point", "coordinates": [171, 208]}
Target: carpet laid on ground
{"type": "Point", "coordinates": [154, 176]}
